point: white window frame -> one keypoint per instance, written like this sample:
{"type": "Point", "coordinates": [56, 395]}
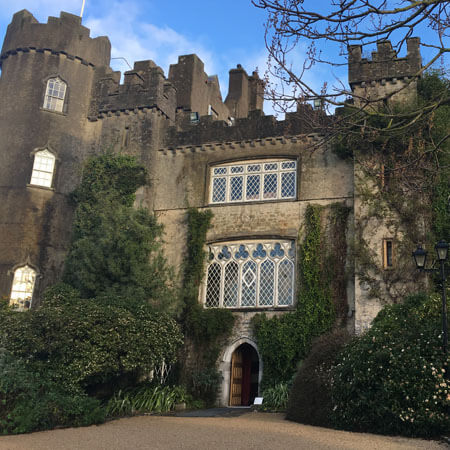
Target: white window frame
{"type": "Point", "coordinates": [43, 168]}
{"type": "Point", "coordinates": [22, 288]}
{"type": "Point", "coordinates": [225, 172]}
{"type": "Point", "coordinates": [285, 255]}
{"type": "Point", "coordinates": [55, 94]}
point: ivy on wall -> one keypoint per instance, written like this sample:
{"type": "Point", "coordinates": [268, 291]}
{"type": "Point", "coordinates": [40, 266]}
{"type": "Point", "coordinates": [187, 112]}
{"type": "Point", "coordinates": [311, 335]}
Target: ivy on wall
{"type": "Point", "coordinates": [402, 181]}
{"type": "Point", "coordinates": [284, 341]}
{"type": "Point", "coordinates": [205, 329]}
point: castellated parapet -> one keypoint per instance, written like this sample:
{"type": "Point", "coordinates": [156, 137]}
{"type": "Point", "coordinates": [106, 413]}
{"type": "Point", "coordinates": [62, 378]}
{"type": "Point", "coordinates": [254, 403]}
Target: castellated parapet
{"type": "Point", "coordinates": [63, 35]}
{"type": "Point", "coordinates": [385, 75]}
{"type": "Point", "coordinates": [144, 87]}
{"type": "Point", "coordinates": [385, 65]}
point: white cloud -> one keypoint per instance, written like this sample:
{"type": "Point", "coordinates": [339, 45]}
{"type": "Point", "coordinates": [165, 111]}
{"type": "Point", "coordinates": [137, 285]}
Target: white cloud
{"type": "Point", "coordinates": [40, 9]}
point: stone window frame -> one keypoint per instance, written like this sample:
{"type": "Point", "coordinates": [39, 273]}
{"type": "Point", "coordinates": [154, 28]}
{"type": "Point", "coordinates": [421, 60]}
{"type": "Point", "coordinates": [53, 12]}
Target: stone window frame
{"type": "Point", "coordinates": [24, 302]}
{"type": "Point", "coordinates": [235, 249]}
{"type": "Point", "coordinates": [213, 175]}
{"type": "Point", "coordinates": [46, 82]}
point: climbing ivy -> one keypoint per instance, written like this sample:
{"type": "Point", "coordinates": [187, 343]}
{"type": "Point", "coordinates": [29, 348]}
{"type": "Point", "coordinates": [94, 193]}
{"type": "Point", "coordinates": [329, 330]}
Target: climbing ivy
{"type": "Point", "coordinates": [285, 340]}
{"type": "Point", "coordinates": [205, 329]}
{"type": "Point", "coordinates": [402, 184]}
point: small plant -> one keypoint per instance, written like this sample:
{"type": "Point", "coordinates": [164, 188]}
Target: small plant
{"type": "Point", "coordinates": [205, 384]}
{"type": "Point", "coordinates": [146, 399]}
{"type": "Point", "coordinates": [276, 397]}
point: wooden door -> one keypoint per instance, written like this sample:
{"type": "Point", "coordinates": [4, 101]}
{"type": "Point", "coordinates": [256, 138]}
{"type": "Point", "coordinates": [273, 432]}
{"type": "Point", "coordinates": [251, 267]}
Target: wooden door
{"type": "Point", "coordinates": [236, 379]}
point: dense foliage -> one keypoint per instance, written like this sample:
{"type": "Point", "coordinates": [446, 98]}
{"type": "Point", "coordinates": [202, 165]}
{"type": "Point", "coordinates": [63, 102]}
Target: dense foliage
{"type": "Point", "coordinates": [31, 401]}
{"type": "Point", "coordinates": [391, 380]}
{"type": "Point", "coordinates": [205, 328]}
{"type": "Point", "coordinates": [284, 341]}
{"type": "Point", "coordinates": [310, 396]}
{"type": "Point", "coordinates": [81, 343]}
{"type": "Point", "coordinates": [116, 249]}
{"type": "Point", "coordinates": [104, 328]}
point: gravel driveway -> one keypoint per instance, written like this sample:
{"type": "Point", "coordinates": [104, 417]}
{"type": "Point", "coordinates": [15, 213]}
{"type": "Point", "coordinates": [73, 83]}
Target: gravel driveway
{"type": "Point", "coordinates": [252, 430]}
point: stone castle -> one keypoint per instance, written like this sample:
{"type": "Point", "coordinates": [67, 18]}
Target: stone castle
{"type": "Point", "coordinates": [61, 103]}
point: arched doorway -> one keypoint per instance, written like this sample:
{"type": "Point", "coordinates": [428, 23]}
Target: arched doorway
{"type": "Point", "coordinates": [244, 376]}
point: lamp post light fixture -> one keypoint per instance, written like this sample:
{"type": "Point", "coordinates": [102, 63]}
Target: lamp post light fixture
{"type": "Point", "coordinates": [420, 258]}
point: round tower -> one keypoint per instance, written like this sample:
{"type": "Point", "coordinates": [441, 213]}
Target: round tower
{"type": "Point", "coordinates": [47, 78]}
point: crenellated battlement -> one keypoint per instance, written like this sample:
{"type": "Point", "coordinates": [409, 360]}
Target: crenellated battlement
{"type": "Point", "coordinates": [384, 65]}
{"type": "Point", "coordinates": [253, 127]}
{"type": "Point", "coordinates": [63, 35]}
{"type": "Point", "coordinates": [144, 87]}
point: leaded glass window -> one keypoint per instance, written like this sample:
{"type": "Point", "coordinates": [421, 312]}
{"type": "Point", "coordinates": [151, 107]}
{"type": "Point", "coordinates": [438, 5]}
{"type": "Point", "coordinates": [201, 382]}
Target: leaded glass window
{"type": "Point", "coordinates": [55, 94]}
{"type": "Point", "coordinates": [250, 274]}
{"type": "Point", "coordinates": [253, 181]}
{"type": "Point", "coordinates": [43, 167]}
{"type": "Point", "coordinates": [22, 288]}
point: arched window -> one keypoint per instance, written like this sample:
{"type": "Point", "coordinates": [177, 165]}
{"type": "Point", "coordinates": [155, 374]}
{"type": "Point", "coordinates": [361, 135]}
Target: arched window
{"type": "Point", "coordinates": [43, 168]}
{"type": "Point", "coordinates": [250, 274]}
{"type": "Point", "coordinates": [55, 94]}
{"type": "Point", "coordinates": [22, 288]}
{"type": "Point", "coordinates": [249, 181]}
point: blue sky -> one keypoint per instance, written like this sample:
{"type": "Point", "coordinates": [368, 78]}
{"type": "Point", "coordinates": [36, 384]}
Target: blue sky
{"type": "Point", "coordinates": [222, 33]}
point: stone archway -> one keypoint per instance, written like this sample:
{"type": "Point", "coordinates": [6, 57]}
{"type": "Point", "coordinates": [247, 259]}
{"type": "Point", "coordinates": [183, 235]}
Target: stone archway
{"type": "Point", "coordinates": [246, 350]}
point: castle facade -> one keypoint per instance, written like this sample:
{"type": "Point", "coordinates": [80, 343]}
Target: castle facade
{"type": "Point", "coordinates": [61, 103]}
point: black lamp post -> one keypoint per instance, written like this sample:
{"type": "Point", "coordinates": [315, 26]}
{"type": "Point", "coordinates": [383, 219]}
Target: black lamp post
{"type": "Point", "coordinates": [420, 258]}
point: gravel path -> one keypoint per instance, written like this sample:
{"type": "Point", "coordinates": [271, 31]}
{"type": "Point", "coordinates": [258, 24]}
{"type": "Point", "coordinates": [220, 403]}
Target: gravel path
{"type": "Point", "coordinates": [249, 431]}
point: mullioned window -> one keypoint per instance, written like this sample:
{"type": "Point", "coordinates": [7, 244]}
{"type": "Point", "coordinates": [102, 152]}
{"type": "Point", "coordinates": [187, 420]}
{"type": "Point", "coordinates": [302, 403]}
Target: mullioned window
{"type": "Point", "coordinates": [250, 274]}
{"type": "Point", "coordinates": [249, 181]}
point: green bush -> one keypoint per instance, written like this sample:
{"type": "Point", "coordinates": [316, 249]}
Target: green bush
{"type": "Point", "coordinates": [204, 384]}
{"type": "Point", "coordinates": [31, 402]}
{"type": "Point", "coordinates": [276, 398]}
{"type": "Point", "coordinates": [310, 396]}
{"type": "Point", "coordinates": [80, 343]}
{"type": "Point", "coordinates": [391, 380]}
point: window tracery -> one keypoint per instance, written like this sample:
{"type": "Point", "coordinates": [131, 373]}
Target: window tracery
{"type": "Point", "coordinates": [250, 274]}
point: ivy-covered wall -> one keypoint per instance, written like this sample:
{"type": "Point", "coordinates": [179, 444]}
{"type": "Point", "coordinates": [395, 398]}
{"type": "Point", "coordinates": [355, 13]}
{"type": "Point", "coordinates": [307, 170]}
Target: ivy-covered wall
{"type": "Point", "coordinates": [402, 191]}
{"type": "Point", "coordinates": [284, 341]}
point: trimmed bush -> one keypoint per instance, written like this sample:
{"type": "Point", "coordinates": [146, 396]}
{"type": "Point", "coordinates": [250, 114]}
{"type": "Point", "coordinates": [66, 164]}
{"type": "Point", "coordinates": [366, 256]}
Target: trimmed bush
{"type": "Point", "coordinates": [310, 396]}
{"type": "Point", "coordinates": [391, 380]}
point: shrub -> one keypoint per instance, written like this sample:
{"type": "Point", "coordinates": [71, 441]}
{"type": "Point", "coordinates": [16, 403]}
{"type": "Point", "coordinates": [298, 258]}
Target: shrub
{"type": "Point", "coordinates": [81, 343]}
{"type": "Point", "coordinates": [205, 384]}
{"type": "Point", "coordinates": [276, 398]}
{"type": "Point", "coordinates": [31, 402]}
{"type": "Point", "coordinates": [391, 380]}
{"type": "Point", "coordinates": [310, 396]}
